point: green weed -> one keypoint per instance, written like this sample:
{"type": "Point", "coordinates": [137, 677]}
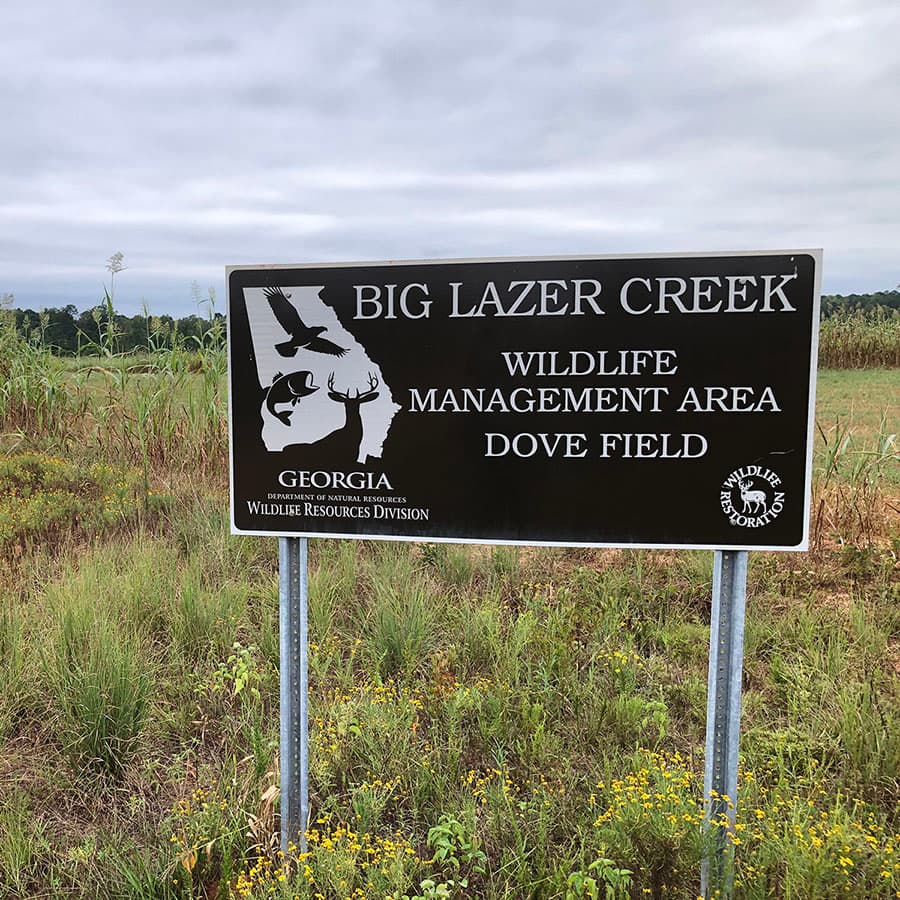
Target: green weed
{"type": "Point", "coordinates": [23, 842]}
{"type": "Point", "coordinates": [12, 654]}
{"type": "Point", "coordinates": [46, 499]}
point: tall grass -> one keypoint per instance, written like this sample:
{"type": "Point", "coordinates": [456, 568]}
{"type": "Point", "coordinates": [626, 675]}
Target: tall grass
{"type": "Point", "coordinates": [849, 503]}
{"type": "Point", "coordinates": [35, 396]}
{"type": "Point", "coordinates": [11, 667]}
{"type": "Point", "coordinates": [100, 685]}
{"type": "Point", "coordinates": [858, 340]}
{"type": "Point", "coordinates": [164, 413]}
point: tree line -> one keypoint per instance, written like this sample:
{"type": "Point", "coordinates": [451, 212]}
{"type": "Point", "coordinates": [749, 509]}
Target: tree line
{"type": "Point", "coordinates": [68, 332]}
{"type": "Point", "coordinates": [869, 305]}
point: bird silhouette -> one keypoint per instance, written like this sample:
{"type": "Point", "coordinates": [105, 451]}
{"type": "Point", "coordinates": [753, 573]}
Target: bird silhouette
{"type": "Point", "coordinates": [302, 336]}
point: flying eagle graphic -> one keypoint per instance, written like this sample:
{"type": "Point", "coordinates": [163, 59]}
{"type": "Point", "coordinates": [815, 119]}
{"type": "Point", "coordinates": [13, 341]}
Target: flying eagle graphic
{"type": "Point", "coordinates": [302, 336]}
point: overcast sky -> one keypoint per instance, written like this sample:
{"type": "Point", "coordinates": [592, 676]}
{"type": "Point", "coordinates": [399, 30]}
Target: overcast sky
{"type": "Point", "coordinates": [193, 135]}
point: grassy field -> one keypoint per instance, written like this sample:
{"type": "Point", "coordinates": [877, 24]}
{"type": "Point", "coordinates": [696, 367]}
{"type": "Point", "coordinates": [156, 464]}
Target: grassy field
{"type": "Point", "coordinates": [485, 722]}
{"type": "Point", "coordinates": [867, 399]}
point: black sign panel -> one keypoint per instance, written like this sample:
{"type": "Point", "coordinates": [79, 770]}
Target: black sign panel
{"type": "Point", "coordinates": [660, 401]}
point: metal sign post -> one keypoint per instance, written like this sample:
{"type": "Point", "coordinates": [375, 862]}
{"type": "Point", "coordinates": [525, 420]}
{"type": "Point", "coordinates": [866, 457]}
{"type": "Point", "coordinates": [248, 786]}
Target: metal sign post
{"type": "Point", "coordinates": [723, 718]}
{"type": "Point", "coordinates": [292, 594]}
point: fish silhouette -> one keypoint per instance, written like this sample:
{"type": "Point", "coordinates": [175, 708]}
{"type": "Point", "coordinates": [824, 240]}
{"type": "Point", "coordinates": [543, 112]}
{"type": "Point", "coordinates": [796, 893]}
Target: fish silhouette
{"type": "Point", "coordinates": [301, 335]}
{"type": "Point", "coordinates": [291, 388]}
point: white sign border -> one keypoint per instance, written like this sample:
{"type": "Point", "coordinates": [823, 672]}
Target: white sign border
{"type": "Point", "coordinates": [816, 255]}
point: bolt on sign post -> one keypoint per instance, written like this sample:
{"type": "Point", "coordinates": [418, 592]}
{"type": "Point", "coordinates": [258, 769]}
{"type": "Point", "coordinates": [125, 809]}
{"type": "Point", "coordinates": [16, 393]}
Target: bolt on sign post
{"type": "Point", "coordinates": [658, 401]}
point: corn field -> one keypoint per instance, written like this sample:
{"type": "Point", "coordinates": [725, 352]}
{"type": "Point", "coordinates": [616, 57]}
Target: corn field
{"type": "Point", "coordinates": [855, 340]}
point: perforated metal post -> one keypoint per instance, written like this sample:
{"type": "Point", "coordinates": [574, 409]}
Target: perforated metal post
{"type": "Point", "coordinates": [723, 718]}
{"type": "Point", "coordinates": [292, 586]}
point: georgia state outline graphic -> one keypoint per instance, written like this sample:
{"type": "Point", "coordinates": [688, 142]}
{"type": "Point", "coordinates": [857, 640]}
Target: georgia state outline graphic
{"type": "Point", "coordinates": [311, 395]}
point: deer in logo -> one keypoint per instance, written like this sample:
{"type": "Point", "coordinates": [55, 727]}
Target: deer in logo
{"type": "Point", "coordinates": [341, 447]}
{"type": "Point", "coordinates": [754, 499]}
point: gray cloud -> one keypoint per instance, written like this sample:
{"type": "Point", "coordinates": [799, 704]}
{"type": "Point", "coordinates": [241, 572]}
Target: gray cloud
{"type": "Point", "coordinates": [191, 136]}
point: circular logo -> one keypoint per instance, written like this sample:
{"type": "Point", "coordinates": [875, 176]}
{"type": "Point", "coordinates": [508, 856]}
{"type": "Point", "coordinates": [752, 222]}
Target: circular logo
{"type": "Point", "coordinates": [751, 498]}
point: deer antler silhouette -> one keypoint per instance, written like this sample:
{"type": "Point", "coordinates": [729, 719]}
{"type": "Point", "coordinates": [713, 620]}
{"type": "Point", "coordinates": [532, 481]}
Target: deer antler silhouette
{"type": "Point", "coordinates": [344, 397]}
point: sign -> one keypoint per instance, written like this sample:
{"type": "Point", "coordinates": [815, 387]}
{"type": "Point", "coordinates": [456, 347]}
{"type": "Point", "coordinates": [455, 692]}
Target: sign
{"type": "Point", "coordinates": [656, 401]}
